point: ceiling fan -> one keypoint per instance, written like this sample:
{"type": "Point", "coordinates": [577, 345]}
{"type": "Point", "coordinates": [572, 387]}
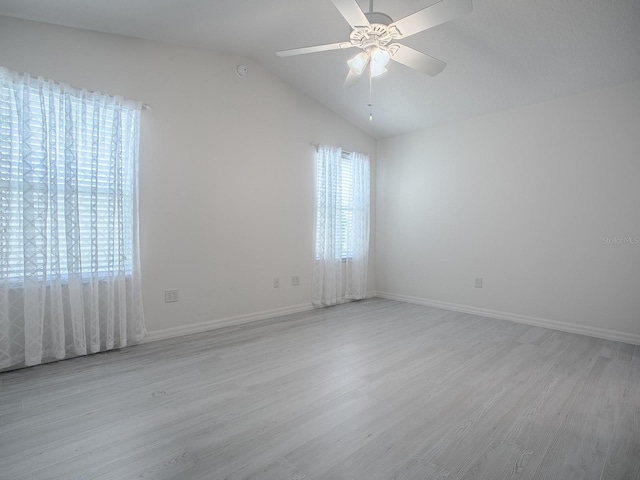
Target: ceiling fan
{"type": "Point", "coordinates": [375, 33]}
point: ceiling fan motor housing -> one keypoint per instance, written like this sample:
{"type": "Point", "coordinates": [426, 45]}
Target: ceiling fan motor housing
{"type": "Point", "coordinates": [378, 17]}
{"type": "Point", "coordinates": [376, 35]}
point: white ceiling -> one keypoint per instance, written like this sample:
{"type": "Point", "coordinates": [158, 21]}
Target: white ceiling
{"type": "Point", "coordinates": [503, 55]}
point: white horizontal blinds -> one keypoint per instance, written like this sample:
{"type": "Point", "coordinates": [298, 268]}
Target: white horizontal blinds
{"type": "Point", "coordinates": [101, 182]}
{"type": "Point", "coordinates": [346, 207]}
{"type": "Point", "coordinates": [10, 188]}
{"type": "Point", "coordinates": [334, 190]}
{"type": "Point", "coordinates": [67, 172]}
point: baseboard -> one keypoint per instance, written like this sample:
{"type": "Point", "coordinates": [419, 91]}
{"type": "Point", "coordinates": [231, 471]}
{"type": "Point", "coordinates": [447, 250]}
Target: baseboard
{"type": "Point", "coordinates": [525, 319]}
{"type": "Point", "coordinates": [165, 333]}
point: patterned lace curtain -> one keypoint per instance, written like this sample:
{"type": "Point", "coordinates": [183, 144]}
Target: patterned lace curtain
{"type": "Point", "coordinates": [69, 250]}
{"type": "Point", "coordinates": [342, 226]}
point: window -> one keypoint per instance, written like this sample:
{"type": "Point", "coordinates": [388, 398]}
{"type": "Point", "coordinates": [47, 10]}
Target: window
{"type": "Point", "coordinates": [68, 168]}
{"type": "Point", "coordinates": [342, 185]}
{"type": "Point", "coordinates": [69, 250]}
{"type": "Point", "coordinates": [342, 226]}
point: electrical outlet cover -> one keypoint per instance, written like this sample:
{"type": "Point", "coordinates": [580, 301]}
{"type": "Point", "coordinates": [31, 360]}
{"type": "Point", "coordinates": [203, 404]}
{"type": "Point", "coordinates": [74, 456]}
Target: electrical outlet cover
{"type": "Point", "coordinates": [171, 295]}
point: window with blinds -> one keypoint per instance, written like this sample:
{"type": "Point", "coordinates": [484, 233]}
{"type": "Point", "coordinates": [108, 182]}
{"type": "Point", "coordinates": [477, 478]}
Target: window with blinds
{"type": "Point", "coordinates": [67, 182]}
{"type": "Point", "coordinates": [340, 187]}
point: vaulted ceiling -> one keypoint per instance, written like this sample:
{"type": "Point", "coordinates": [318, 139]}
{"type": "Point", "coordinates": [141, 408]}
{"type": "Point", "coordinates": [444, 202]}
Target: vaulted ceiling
{"type": "Point", "coordinates": [503, 55]}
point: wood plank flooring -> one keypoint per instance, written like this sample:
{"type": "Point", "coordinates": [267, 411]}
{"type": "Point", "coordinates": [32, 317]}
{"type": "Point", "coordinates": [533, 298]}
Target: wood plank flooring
{"type": "Point", "coordinates": [376, 389]}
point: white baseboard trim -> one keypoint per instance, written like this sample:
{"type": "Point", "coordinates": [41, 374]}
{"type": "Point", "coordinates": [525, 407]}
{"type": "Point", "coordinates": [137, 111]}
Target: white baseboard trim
{"type": "Point", "coordinates": [525, 319]}
{"type": "Point", "coordinates": [199, 327]}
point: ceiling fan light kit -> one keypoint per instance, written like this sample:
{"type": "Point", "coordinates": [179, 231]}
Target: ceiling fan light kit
{"type": "Point", "coordinates": [375, 34]}
{"type": "Point", "coordinates": [358, 63]}
{"type": "Point", "coordinates": [377, 68]}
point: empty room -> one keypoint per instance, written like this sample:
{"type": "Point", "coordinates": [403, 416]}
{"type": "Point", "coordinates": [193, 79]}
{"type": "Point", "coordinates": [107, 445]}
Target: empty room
{"type": "Point", "coordinates": [319, 240]}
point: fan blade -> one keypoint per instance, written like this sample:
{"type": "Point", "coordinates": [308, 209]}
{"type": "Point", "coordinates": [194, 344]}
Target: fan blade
{"type": "Point", "coordinates": [352, 13]}
{"type": "Point", "coordinates": [316, 48]}
{"type": "Point", "coordinates": [441, 12]}
{"type": "Point", "coordinates": [417, 60]}
{"type": "Point", "coordinates": [352, 79]}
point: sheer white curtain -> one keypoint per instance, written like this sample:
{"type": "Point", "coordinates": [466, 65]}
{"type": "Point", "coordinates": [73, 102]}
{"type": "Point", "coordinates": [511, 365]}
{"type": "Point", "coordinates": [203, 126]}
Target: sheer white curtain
{"type": "Point", "coordinates": [342, 226]}
{"type": "Point", "coordinates": [69, 254]}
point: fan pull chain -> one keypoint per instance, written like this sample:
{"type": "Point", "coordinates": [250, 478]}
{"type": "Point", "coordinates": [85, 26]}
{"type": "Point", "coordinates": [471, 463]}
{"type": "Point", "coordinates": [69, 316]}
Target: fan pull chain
{"type": "Point", "coordinates": [370, 104]}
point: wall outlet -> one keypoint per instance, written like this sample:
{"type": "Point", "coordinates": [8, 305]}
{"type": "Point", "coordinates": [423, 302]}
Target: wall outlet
{"type": "Point", "coordinates": [171, 295]}
{"type": "Point", "coordinates": [276, 283]}
{"type": "Point", "coordinates": [479, 282]}
{"type": "Point", "coordinates": [295, 280]}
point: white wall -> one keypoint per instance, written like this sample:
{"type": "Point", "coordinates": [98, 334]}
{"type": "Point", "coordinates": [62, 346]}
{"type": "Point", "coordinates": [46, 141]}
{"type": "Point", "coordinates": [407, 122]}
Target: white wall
{"type": "Point", "coordinates": [522, 198]}
{"type": "Point", "coordinates": [226, 168]}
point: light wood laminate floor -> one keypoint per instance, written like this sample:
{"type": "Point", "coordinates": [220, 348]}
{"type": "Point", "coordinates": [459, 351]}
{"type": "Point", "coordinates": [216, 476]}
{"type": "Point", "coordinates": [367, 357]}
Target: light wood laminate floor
{"type": "Point", "coordinates": [370, 390]}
